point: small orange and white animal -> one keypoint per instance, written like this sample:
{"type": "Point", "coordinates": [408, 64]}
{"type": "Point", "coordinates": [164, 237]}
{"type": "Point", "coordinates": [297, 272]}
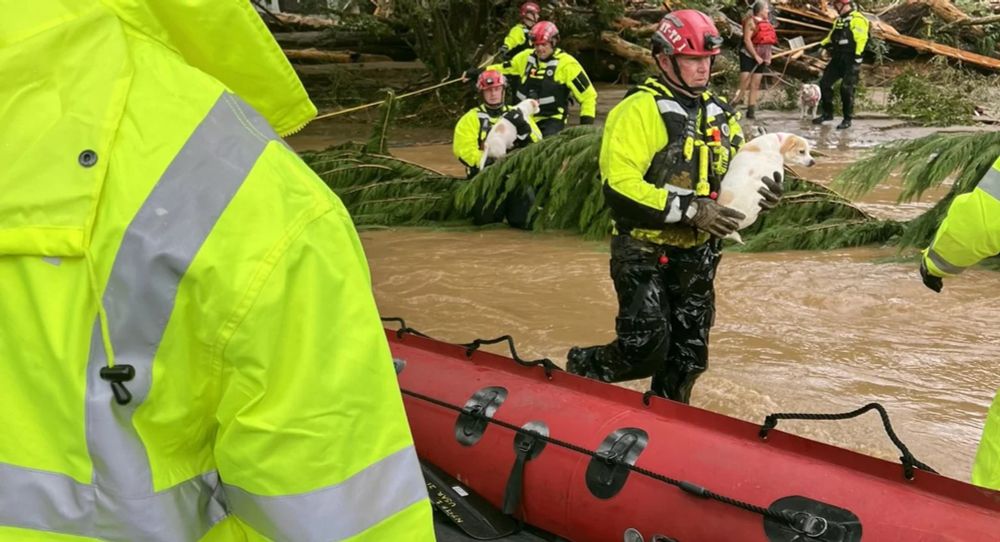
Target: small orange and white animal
{"type": "Point", "coordinates": [503, 134]}
{"type": "Point", "coordinates": [761, 157]}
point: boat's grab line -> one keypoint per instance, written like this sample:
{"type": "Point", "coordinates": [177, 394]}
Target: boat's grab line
{"type": "Point", "coordinates": [785, 517]}
{"type": "Point", "coordinates": [907, 459]}
{"type": "Point", "coordinates": [545, 363]}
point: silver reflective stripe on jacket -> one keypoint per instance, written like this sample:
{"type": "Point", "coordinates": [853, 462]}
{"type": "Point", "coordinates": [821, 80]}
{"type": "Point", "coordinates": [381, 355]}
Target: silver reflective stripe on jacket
{"type": "Point", "coordinates": [991, 182]}
{"type": "Point", "coordinates": [156, 250]}
{"type": "Point", "coordinates": [339, 511]}
{"type": "Point", "coordinates": [942, 264]}
{"type": "Point", "coordinates": [667, 105]}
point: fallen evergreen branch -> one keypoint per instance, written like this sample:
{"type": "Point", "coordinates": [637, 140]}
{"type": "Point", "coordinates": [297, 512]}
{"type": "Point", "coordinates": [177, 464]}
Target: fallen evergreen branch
{"type": "Point", "coordinates": [924, 164]}
{"type": "Point", "coordinates": [378, 189]}
{"type": "Point", "coordinates": [563, 171]}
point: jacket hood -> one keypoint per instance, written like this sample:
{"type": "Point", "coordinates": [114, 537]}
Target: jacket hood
{"type": "Point", "coordinates": [66, 71]}
{"type": "Point", "coordinates": [228, 40]}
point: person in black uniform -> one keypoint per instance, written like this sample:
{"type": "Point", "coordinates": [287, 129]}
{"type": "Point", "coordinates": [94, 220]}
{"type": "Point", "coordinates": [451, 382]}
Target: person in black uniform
{"type": "Point", "coordinates": [846, 40]}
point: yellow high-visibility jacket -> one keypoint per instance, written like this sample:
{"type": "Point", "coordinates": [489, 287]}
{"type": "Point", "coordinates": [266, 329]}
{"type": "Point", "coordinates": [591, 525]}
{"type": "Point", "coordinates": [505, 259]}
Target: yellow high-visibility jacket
{"type": "Point", "coordinates": [648, 196]}
{"type": "Point", "coordinates": [849, 33]}
{"type": "Point", "coordinates": [515, 41]}
{"type": "Point", "coordinates": [154, 226]}
{"type": "Point", "coordinates": [551, 82]}
{"type": "Point", "coordinates": [471, 130]}
{"type": "Point", "coordinates": [969, 233]}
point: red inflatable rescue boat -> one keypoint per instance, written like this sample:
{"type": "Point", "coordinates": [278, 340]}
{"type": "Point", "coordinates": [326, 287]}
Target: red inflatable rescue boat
{"type": "Point", "coordinates": [591, 462]}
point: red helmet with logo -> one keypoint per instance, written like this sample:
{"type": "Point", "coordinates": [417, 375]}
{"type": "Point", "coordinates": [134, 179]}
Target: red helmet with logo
{"type": "Point", "coordinates": [490, 79]}
{"type": "Point", "coordinates": [687, 32]}
{"type": "Point", "coordinates": [544, 32]}
{"type": "Point", "coordinates": [530, 7]}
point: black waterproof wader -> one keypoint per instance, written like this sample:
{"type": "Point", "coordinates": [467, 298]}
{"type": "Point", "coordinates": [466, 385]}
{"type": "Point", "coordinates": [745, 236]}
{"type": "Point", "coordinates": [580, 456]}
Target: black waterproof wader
{"type": "Point", "coordinates": [666, 306]}
{"type": "Point", "coordinates": [843, 68]}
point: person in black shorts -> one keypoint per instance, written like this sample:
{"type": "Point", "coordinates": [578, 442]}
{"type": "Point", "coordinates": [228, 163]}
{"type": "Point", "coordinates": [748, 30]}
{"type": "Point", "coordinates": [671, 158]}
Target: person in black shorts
{"type": "Point", "coordinates": [759, 37]}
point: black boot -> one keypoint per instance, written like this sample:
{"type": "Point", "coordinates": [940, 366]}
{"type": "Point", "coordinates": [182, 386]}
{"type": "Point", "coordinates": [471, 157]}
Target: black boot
{"type": "Point", "coordinates": [844, 124]}
{"type": "Point", "coordinates": [751, 112]}
{"type": "Point", "coordinates": [578, 361]}
{"type": "Point", "coordinates": [822, 118]}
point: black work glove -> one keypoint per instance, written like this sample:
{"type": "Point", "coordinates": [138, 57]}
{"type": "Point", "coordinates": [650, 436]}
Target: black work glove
{"type": "Point", "coordinates": [771, 191]}
{"type": "Point", "coordinates": [713, 218]}
{"type": "Point", "coordinates": [472, 74]}
{"type": "Point", "coordinates": [933, 282]}
{"type": "Point", "coordinates": [586, 120]}
{"type": "Point", "coordinates": [516, 117]}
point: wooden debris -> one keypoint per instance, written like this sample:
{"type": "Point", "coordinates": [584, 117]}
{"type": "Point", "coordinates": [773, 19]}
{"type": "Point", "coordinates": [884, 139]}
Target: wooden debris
{"type": "Point", "coordinates": [333, 39]}
{"type": "Point", "coordinates": [304, 22]}
{"type": "Point", "coordinates": [890, 34]}
{"type": "Point", "coordinates": [949, 13]}
{"type": "Point", "coordinates": [336, 57]}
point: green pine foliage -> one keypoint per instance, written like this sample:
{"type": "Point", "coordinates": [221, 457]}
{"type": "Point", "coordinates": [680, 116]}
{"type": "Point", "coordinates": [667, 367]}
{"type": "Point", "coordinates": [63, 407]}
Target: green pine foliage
{"type": "Point", "coordinates": [380, 190]}
{"type": "Point", "coordinates": [933, 100]}
{"type": "Point", "coordinates": [814, 217]}
{"type": "Point", "coordinates": [923, 164]}
{"type": "Point", "coordinates": [563, 172]}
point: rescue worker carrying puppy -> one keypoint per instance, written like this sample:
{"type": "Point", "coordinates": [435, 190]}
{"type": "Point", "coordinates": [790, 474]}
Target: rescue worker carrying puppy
{"type": "Point", "coordinates": [471, 131]}
{"type": "Point", "coordinates": [665, 149]}
{"type": "Point", "coordinates": [551, 76]}
{"type": "Point", "coordinates": [847, 40]}
{"type": "Point", "coordinates": [970, 232]}
{"type": "Point", "coordinates": [519, 39]}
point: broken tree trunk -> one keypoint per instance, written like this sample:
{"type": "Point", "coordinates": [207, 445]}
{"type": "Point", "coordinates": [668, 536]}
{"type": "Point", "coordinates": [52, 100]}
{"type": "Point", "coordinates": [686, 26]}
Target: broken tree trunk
{"type": "Point", "coordinates": [974, 21]}
{"type": "Point", "coordinates": [336, 57]}
{"type": "Point", "coordinates": [949, 13]}
{"type": "Point", "coordinates": [361, 42]}
{"type": "Point", "coordinates": [303, 22]}
{"type": "Point", "coordinates": [907, 18]}
{"type": "Point", "coordinates": [614, 44]}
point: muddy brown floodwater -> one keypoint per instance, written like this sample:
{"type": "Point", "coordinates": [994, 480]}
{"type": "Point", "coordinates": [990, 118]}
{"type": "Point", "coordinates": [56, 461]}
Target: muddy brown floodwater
{"type": "Point", "coordinates": [795, 331]}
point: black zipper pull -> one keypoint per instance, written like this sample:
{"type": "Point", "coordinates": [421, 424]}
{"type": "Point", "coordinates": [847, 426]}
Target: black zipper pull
{"type": "Point", "coordinates": [116, 376]}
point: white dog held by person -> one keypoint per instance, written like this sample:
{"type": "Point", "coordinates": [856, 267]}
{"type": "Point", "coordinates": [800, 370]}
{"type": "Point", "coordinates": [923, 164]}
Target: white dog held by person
{"type": "Point", "coordinates": [512, 126]}
{"type": "Point", "coordinates": [764, 156]}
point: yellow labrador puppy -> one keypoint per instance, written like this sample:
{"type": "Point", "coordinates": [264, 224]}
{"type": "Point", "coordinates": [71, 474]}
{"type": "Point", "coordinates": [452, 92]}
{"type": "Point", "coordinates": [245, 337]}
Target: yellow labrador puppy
{"type": "Point", "coordinates": [761, 157]}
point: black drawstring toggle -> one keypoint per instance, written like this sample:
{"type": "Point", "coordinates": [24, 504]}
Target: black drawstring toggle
{"type": "Point", "coordinates": [116, 376]}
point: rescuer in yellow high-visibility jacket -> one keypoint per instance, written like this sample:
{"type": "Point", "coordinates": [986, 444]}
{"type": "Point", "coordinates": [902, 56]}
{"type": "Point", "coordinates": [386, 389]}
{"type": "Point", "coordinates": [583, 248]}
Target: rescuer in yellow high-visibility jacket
{"type": "Point", "coordinates": [553, 77]}
{"type": "Point", "coordinates": [969, 233]}
{"type": "Point", "coordinates": [189, 346]}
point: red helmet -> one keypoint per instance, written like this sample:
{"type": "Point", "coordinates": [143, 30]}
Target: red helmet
{"type": "Point", "coordinates": [530, 7]}
{"type": "Point", "coordinates": [544, 32]}
{"type": "Point", "coordinates": [490, 79]}
{"type": "Point", "coordinates": [687, 32]}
